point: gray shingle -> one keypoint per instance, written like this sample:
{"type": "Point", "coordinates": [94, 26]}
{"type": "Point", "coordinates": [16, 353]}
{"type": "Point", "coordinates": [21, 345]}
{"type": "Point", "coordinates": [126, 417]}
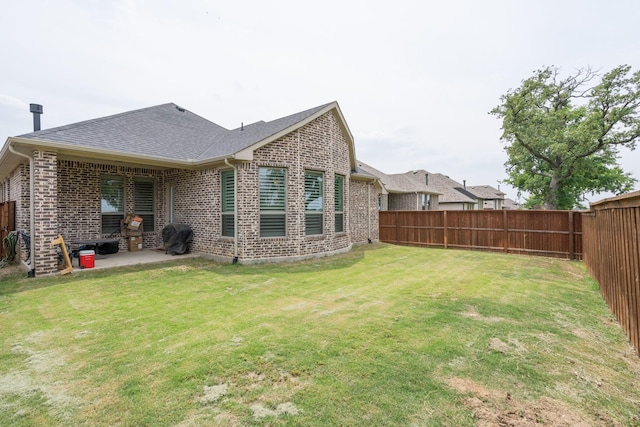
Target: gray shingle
{"type": "Point", "coordinates": [240, 138]}
{"type": "Point", "coordinates": [485, 192]}
{"type": "Point", "coordinates": [166, 131]}
{"type": "Point", "coordinates": [448, 188]}
{"type": "Point", "coordinates": [410, 182]}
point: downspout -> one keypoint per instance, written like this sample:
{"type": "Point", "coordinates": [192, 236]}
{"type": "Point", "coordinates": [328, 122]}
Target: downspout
{"type": "Point", "coordinates": [369, 212]}
{"type": "Point", "coordinates": [235, 210]}
{"type": "Point", "coordinates": [32, 210]}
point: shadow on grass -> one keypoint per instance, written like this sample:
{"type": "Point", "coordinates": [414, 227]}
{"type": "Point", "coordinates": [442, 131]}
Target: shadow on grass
{"type": "Point", "coordinates": [321, 264]}
{"type": "Point", "coordinates": [16, 280]}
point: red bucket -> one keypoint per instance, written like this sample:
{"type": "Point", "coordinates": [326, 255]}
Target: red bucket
{"type": "Point", "coordinates": [87, 259]}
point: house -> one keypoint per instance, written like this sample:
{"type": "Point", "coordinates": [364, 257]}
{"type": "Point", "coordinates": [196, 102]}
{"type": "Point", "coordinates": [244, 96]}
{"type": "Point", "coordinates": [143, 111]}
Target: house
{"type": "Point", "coordinates": [423, 190]}
{"type": "Point", "coordinates": [510, 204]}
{"type": "Point", "coordinates": [404, 192]}
{"type": "Point", "coordinates": [487, 196]}
{"type": "Point", "coordinates": [279, 190]}
{"type": "Point", "coordinates": [456, 196]}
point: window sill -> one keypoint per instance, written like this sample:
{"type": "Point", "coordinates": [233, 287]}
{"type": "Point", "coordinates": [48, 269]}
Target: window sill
{"type": "Point", "coordinates": [316, 237]}
{"type": "Point", "coordinates": [275, 238]}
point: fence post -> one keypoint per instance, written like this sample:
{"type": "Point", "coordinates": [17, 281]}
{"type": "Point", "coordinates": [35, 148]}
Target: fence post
{"type": "Point", "coordinates": [444, 220]}
{"type": "Point", "coordinates": [572, 244]}
{"type": "Point", "coordinates": [505, 223]}
{"type": "Point", "coordinates": [397, 228]}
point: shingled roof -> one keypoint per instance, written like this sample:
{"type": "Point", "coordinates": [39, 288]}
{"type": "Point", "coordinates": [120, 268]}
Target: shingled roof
{"type": "Point", "coordinates": [410, 182]}
{"type": "Point", "coordinates": [166, 131]}
{"type": "Point", "coordinates": [450, 189]}
{"type": "Point", "coordinates": [486, 192]}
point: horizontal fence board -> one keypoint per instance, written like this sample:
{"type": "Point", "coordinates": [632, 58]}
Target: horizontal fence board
{"type": "Point", "coordinates": [612, 256]}
{"type": "Point", "coordinates": [546, 233]}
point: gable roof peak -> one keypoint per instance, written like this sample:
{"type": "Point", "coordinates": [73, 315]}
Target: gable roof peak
{"type": "Point", "coordinates": [170, 134]}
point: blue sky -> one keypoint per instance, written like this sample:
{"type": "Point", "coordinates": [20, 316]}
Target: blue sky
{"type": "Point", "coordinates": [414, 79]}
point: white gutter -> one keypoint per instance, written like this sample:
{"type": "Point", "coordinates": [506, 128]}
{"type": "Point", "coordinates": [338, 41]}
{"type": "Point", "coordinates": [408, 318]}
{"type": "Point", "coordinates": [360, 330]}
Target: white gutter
{"type": "Point", "coordinates": [235, 210]}
{"type": "Point", "coordinates": [32, 211]}
{"type": "Point", "coordinates": [104, 154]}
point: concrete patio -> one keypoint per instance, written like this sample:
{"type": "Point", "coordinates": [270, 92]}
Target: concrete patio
{"type": "Point", "coordinates": [124, 258]}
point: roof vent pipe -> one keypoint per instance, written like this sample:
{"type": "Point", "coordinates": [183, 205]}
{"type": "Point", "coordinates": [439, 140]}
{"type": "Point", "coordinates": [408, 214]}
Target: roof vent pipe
{"type": "Point", "coordinates": [464, 183]}
{"type": "Point", "coordinates": [36, 109]}
{"type": "Point", "coordinates": [241, 126]}
{"type": "Point", "coordinates": [426, 178]}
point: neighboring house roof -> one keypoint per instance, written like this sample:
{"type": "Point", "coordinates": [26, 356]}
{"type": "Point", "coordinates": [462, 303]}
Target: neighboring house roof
{"type": "Point", "coordinates": [510, 204]}
{"type": "Point", "coordinates": [423, 181]}
{"type": "Point", "coordinates": [486, 192]}
{"type": "Point", "coordinates": [411, 182]}
{"type": "Point", "coordinates": [164, 135]}
{"type": "Point", "coordinates": [452, 191]}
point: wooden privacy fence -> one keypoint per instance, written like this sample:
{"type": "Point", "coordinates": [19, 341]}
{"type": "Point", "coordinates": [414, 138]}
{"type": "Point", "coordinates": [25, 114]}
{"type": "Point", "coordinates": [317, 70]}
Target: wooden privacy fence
{"type": "Point", "coordinates": [546, 233]}
{"type": "Point", "coordinates": [612, 256]}
{"type": "Point", "coordinates": [7, 222]}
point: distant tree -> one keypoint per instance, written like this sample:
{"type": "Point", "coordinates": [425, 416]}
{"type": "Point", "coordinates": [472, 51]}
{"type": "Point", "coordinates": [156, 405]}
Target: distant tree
{"type": "Point", "coordinates": [562, 135]}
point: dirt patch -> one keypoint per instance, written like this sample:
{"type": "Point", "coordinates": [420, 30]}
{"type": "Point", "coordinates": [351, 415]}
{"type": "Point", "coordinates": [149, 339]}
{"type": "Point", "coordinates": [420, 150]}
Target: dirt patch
{"type": "Point", "coordinates": [10, 270]}
{"type": "Point", "coordinates": [513, 346]}
{"type": "Point", "coordinates": [498, 345]}
{"type": "Point", "coordinates": [473, 313]}
{"type": "Point", "coordinates": [213, 393]}
{"type": "Point", "coordinates": [22, 384]}
{"type": "Point", "coordinates": [286, 408]}
{"type": "Point", "coordinates": [182, 268]}
{"type": "Point", "coordinates": [467, 386]}
{"type": "Point", "coordinates": [495, 408]}
{"type": "Point", "coordinates": [41, 368]}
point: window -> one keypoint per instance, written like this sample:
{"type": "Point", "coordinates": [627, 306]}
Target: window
{"type": "Point", "coordinates": [273, 199]}
{"type": "Point", "coordinates": [111, 203]}
{"type": "Point", "coordinates": [228, 203]}
{"type": "Point", "coordinates": [338, 197]}
{"type": "Point", "coordinates": [144, 202]}
{"type": "Point", "coordinates": [313, 202]}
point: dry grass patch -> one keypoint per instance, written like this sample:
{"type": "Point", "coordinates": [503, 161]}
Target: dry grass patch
{"type": "Point", "coordinates": [382, 335]}
{"type": "Point", "coordinates": [499, 408]}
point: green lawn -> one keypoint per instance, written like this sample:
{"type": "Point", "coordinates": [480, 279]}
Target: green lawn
{"type": "Point", "coordinates": [383, 335]}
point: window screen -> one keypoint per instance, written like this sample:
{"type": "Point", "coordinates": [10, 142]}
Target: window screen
{"type": "Point", "coordinates": [338, 197]}
{"type": "Point", "coordinates": [272, 202]}
{"type": "Point", "coordinates": [228, 203]}
{"type": "Point", "coordinates": [111, 203]}
{"type": "Point", "coordinates": [313, 202]}
{"type": "Point", "coordinates": [144, 202]}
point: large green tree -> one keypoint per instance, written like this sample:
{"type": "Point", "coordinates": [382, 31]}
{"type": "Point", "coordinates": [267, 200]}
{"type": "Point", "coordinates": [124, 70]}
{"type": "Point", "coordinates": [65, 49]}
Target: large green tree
{"type": "Point", "coordinates": [562, 135]}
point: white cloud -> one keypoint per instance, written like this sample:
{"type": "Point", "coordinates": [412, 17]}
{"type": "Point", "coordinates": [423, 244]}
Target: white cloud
{"type": "Point", "coordinates": [414, 79]}
{"type": "Point", "coordinates": [12, 101]}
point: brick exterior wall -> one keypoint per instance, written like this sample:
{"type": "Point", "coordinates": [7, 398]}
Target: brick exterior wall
{"type": "Point", "coordinates": [68, 200]}
{"type": "Point", "coordinates": [79, 212]}
{"type": "Point", "coordinates": [363, 215]}
{"type": "Point", "coordinates": [18, 191]}
{"type": "Point", "coordinates": [318, 146]}
{"type": "Point", "coordinates": [197, 203]}
{"type": "Point", "coordinates": [46, 215]}
{"type": "Point", "coordinates": [405, 202]}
